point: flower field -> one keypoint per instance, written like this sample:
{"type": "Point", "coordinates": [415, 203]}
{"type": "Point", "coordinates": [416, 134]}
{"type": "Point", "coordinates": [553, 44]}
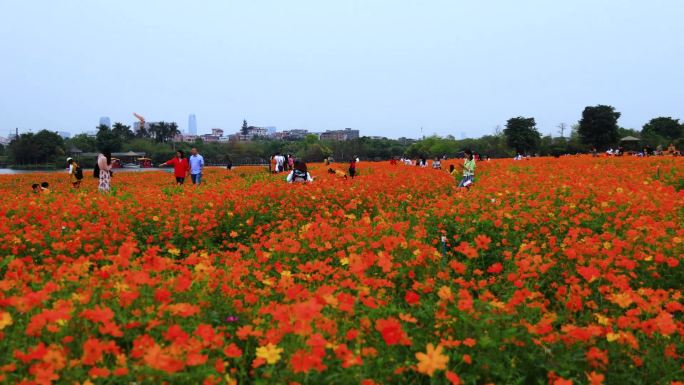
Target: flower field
{"type": "Point", "coordinates": [548, 271]}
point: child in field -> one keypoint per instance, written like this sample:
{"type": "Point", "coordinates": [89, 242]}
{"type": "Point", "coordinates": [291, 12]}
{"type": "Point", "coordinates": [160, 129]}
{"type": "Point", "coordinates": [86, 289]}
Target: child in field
{"type": "Point", "coordinates": [36, 188]}
{"type": "Point", "coordinates": [45, 188]}
{"type": "Point", "coordinates": [453, 172]}
{"type": "Point", "coordinates": [337, 172]}
{"type": "Point", "coordinates": [75, 173]}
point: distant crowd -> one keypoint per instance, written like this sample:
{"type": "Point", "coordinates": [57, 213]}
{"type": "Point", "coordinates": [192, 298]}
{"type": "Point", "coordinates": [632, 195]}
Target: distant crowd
{"type": "Point", "coordinates": [297, 171]}
{"type": "Point", "coordinates": [646, 151]}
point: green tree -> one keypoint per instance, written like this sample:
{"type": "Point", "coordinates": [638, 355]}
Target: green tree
{"type": "Point", "coordinates": [666, 127]}
{"type": "Point", "coordinates": [163, 132]}
{"type": "Point", "coordinates": [107, 139]}
{"type": "Point", "coordinates": [82, 142]}
{"type": "Point", "coordinates": [521, 134]}
{"type": "Point", "coordinates": [42, 147]}
{"type": "Point", "coordinates": [315, 153]}
{"type": "Point", "coordinates": [123, 131]}
{"type": "Point", "coordinates": [244, 130]}
{"type": "Point", "coordinates": [599, 127]}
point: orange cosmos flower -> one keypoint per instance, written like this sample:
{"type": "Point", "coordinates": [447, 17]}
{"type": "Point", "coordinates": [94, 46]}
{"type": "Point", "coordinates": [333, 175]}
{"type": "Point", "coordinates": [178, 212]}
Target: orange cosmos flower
{"type": "Point", "coordinates": [595, 378]}
{"type": "Point", "coordinates": [431, 360]}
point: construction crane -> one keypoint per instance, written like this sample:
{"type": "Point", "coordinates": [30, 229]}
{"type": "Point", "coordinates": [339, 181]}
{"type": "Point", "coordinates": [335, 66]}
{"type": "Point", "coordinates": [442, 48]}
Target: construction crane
{"type": "Point", "coordinates": [141, 119]}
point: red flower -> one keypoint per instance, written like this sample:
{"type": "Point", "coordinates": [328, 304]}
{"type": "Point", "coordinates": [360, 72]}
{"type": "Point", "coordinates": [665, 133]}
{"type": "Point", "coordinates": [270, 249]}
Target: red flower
{"type": "Point", "coordinates": [412, 298]}
{"type": "Point", "coordinates": [391, 331]}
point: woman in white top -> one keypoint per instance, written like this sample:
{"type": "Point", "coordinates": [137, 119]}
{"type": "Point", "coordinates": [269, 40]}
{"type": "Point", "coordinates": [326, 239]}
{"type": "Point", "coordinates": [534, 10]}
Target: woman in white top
{"type": "Point", "coordinates": [104, 162]}
{"type": "Point", "coordinates": [299, 173]}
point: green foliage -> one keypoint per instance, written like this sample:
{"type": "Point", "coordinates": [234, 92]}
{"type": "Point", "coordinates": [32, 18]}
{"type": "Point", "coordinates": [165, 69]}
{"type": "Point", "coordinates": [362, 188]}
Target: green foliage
{"type": "Point", "coordinates": [599, 127]}
{"type": "Point", "coordinates": [42, 147]}
{"type": "Point", "coordinates": [163, 132]}
{"type": "Point", "coordinates": [82, 142]}
{"type": "Point", "coordinates": [123, 131]}
{"type": "Point", "coordinates": [522, 135]}
{"type": "Point", "coordinates": [107, 139]}
{"type": "Point", "coordinates": [662, 130]}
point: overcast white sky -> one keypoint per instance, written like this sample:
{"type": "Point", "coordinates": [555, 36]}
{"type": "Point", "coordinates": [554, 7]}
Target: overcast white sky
{"type": "Point", "coordinates": [386, 67]}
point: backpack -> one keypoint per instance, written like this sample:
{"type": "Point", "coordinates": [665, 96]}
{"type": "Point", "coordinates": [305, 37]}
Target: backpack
{"type": "Point", "coordinates": [96, 171]}
{"type": "Point", "coordinates": [78, 171]}
{"type": "Point", "coordinates": [298, 176]}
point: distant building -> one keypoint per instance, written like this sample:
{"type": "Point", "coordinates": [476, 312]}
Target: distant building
{"type": "Point", "coordinates": [238, 137]}
{"type": "Point", "coordinates": [192, 124]}
{"type": "Point", "coordinates": [185, 138]}
{"type": "Point", "coordinates": [291, 135]}
{"type": "Point", "coordinates": [377, 137]}
{"type": "Point", "coordinates": [210, 138]}
{"type": "Point", "coordinates": [12, 135]}
{"type": "Point", "coordinates": [64, 134]}
{"type": "Point", "coordinates": [4, 141]}
{"type": "Point", "coordinates": [106, 121]}
{"type": "Point", "coordinates": [252, 133]}
{"type": "Point", "coordinates": [271, 130]}
{"type": "Point", "coordinates": [215, 136]}
{"type": "Point", "coordinates": [405, 140]}
{"type": "Point", "coordinates": [136, 126]}
{"type": "Point", "coordinates": [298, 134]}
{"type": "Point", "coordinates": [258, 131]}
{"type": "Point", "coordinates": [340, 135]}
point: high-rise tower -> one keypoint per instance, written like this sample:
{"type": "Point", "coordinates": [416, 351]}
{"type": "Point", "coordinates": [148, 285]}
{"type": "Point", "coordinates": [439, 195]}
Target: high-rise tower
{"type": "Point", "coordinates": [192, 124]}
{"type": "Point", "coordinates": [106, 121]}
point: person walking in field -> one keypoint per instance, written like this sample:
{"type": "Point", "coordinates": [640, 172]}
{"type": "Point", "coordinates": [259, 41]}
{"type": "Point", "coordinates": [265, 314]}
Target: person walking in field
{"type": "Point", "coordinates": [280, 163]}
{"type": "Point", "coordinates": [299, 173]}
{"type": "Point", "coordinates": [352, 167]}
{"type": "Point", "coordinates": [468, 170]}
{"type": "Point", "coordinates": [104, 166]}
{"type": "Point", "coordinates": [181, 167]}
{"type": "Point", "coordinates": [196, 163]}
{"type": "Point", "coordinates": [271, 164]}
{"type": "Point", "coordinates": [75, 173]}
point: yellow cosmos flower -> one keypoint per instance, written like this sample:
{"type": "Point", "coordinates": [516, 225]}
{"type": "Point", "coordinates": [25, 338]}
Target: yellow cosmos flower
{"type": "Point", "coordinates": [5, 320]}
{"type": "Point", "coordinates": [270, 353]}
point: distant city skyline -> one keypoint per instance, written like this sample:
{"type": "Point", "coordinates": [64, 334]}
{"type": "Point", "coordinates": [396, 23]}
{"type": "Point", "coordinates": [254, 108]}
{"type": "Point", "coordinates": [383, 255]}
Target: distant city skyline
{"type": "Point", "coordinates": [384, 67]}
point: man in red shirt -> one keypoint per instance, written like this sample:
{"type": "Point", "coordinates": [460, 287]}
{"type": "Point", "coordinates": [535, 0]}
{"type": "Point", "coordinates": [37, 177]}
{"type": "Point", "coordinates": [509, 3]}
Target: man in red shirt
{"type": "Point", "coordinates": [181, 167]}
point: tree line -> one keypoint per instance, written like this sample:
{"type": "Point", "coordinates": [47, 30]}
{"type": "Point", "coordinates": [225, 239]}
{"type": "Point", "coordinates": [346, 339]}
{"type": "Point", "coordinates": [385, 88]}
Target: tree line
{"type": "Point", "coordinates": [598, 128]}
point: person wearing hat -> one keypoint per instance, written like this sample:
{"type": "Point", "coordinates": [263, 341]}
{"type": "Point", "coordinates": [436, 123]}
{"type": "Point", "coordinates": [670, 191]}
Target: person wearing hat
{"type": "Point", "coordinates": [75, 173]}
